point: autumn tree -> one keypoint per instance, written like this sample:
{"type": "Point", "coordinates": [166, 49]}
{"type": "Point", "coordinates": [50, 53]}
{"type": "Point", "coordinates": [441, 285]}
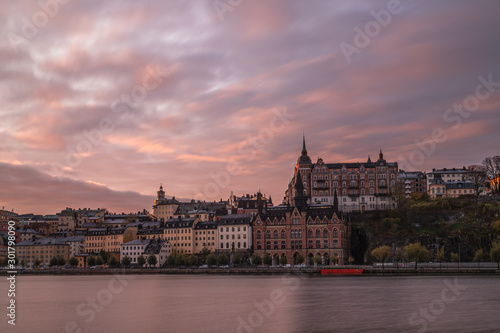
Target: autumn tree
{"type": "Point", "coordinates": [492, 170]}
{"type": "Point", "coordinates": [417, 252]}
{"type": "Point", "coordinates": [381, 253]}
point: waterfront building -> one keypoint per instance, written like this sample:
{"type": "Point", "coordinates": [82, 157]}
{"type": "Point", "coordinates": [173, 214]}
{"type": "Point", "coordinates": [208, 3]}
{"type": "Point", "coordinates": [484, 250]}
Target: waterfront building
{"type": "Point", "coordinates": [179, 232]}
{"type": "Point", "coordinates": [42, 249]}
{"type": "Point", "coordinates": [235, 233]}
{"type": "Point", "coordinates": [205, 236]}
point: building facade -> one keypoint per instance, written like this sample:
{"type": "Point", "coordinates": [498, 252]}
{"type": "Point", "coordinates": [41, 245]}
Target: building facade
{"type": "Point", "coordinates": [205, 236]}
{"type": "Point", "coordinates": [359, 186]}
{"type": "Point", "coordinates": [412, 182]}
{"type": "Point", "coordinates": [42, 249]}
{"type": "Point", "coordinates": [235, 233]}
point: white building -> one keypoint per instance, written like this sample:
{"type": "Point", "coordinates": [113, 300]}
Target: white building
{"type": "Point", "coordinates": [134, 249]}
{"type": "Point", "coordinates": [235, 232]}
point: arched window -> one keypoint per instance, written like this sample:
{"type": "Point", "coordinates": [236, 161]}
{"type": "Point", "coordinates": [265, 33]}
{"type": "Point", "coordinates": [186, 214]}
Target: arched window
{"type": "Point", "coordinates": [283, 234]}
{"type": "Point", "coordinates": [300, 233]}
{"type": "Point", "coordinates": [259, 246]}
{"type": "Point", "coordinates": [275, 234]}
{"type": "Point", "coordinates": [310, 233]}
{"type": "Point", "coordinates": [362, 191]}
{"type": "Point", "coordinates": [325, 233]}
{"type": "Point", "coordinates": [318, 233]}
{"type": "Point", "coordinates": [221, 245]}
{"type": "Point", "coordinates": [239, 245]}
{"type": "Point", "coordinates": [244, 245]}
{"type": "Point", "coordinates": [335, 233]}
{"type": "Point", "coordinates": [382, 182]}
{"type": "Point", "coordinates": [227, 245]}
{"type": "Point", "coordinates": [259, 234]}
{"type": "Point", "coordinates": [268, 234]}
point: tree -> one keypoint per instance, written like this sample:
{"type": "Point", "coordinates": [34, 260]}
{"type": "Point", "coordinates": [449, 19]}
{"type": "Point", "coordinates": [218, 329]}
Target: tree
{"type": "Point", "coordinates": [256, 259]}
{"type": "Point", "coordinates": [61, 261]}
{"type": "Point", "coordinates": [91, 261]}
{"type": "Point", "coordinates": [112, 262]}
{"type": "Point", "coordinates": [126, 261]}
{"type": "Point", "coordinates": [495, 254]}
{"type": "Point", "coordinates": [283, 260]}
{"type": "Point", "coordinates": [268, 260]}
{"type": "Point", "coordinates": [334, 259]}
{"type": "Point", "coordinates": [104, 255]}
{"type": "Point", "coordinates": [152, 260]}
{"type": "Point", "coordinates": [73, 261]}
{"type": "Point", "coordinates": [193, 260]}
{"type": "Point", "coordinates": [237, 259]}
{"type": "Point", "coordinates": [53, 262]}
{"type": "Point", "coordinates": [180, 260]}
{"type": "Point", "coordinates": [477, 175]}
{"type": "Point", "coordinates": [399, 254]}
{"type": "Point", "coordinates": [417, 252]}
{"type": "Point", "coordinates": [440, 256]}
{"type": "Point", "coordinates": [492, 169]}
{"type": "Point", "coordinates": [317, 259]}
{"type": "Point", "coordinates": [381, 253]}
{"type": "Point", "coordinates": [99, 261]}
{"type": "Point", "coordinates": [171, 259]}
{"type": "Point", "coordinates": [211, 260]}
{"type": "Point", "coordinates": [37, 262]}
{"type": "Point", "coordinates": [141, 260]}
{"type": "Point", "coordinates": [299, 259]}
{"type": "Point", "coordinates": [223, 260]}
{"type": "Point", "coordinates": [478, 257]}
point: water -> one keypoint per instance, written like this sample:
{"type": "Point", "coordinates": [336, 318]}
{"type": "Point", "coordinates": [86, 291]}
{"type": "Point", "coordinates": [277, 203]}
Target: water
{"type": "Point", "coordinates": [198, 303]}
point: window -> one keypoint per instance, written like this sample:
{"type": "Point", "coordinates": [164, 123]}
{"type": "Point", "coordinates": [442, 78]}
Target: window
{"type": "Point", "coordinates": [310, 233]}
{"type": "Point", "coordinates": [259, 246]}
{"type": "Point", "coordinates": [275, 234]}
{"type": "Point", "coordinates": [325, 233]}
{"type": "Point", "coordinates": [283, 234]}
{"type": "Point", "coordinates": [335, 233]}
{"type": "Point", "coordinates": [275, 245]}
{"type": "Point", "coordinates": [268, 234]}
{"type": "Point", "coordinates": [268, 245]}
{"type": "Point", "coordinates": [259, 234]}
{"type": "Point", "coordinates": [325, 243]}
{"type": "Point", "coordinates": [318, 233]}
{"type": "Point", "coordinates": [318, 244]}
{"type": "Point", "coordinates": [310, 244]}
{"type": "Point", "coordinates": [221, 245]}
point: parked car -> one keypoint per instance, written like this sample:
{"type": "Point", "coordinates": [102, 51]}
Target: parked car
{"type": "Point", "coordinates": [204, 266]}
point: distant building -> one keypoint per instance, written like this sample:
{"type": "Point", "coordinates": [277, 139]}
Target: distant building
{"type": "Point", "coordinates": [179, 232]}
{"type": "Point", "coordinates": [145, 247]}
{"type": "Point", "coordinates": [235, 233]}
{"type": "Point", "coordinates": [42, 249]}
{"type": "Point", "coordinates": [412, 182]}
{"type": "Point", "coordinates": [164, 208]}
{"type": "Point", "coordinates": [70, 219]}
{"type": "Point", "coordinates": [205, 236]}
{"type": "Point", "coordinates": [108, 239]}
{"type": "Point", "coordinates": [359, 186]}
{"type": "Point", "coordinates": [446, 175]}
{"type": "Point", "coordinates": [133, 249]}
{"type": "Point", "coordinates": [250, 204]}
{"type": "Point", "coordinates": [450, 189]}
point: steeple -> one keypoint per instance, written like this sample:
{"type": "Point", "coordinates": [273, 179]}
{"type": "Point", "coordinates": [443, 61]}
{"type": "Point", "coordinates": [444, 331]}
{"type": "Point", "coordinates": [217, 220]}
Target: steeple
{"type": "Point", "coordinates": [303, 158]}
{"type": "Point", "coordinates": [300, 199]}
{"type": "Point", "coordinates": [369, 159]}
{"type": "Point", "coordinates": [380, 155]}
{"type": "Point", "coordinates": [304, 150]}
{"type": "Point", "coordinates": [336, 202]}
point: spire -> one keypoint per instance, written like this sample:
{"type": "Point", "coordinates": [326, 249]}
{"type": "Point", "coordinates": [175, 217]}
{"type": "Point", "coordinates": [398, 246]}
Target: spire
{"type": "Point", "coordinates": [336, 202]}
{"type": "Point", "coordinates": [380, 155]}
{"type": "Point", "coordinates": [304, 150]}
{"type": "Point", "coordinates": [369, 159]}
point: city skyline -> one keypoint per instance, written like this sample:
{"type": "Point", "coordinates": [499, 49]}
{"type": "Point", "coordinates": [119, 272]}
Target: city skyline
{"type": "Point", "coordinates": [102, 104]}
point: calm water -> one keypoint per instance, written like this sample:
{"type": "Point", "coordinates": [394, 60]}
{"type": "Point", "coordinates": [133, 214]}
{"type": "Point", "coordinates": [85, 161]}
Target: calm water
{"type": "Point", "coordinates": [254, 304]}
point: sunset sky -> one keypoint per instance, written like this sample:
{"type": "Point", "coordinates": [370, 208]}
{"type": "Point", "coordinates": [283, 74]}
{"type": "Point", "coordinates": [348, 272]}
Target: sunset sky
{"type": "Point", "coordinates": [103, 101]}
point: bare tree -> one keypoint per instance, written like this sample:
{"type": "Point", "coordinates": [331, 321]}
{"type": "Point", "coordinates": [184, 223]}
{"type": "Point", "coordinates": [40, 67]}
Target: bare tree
{"type": "Point", "coordinates": [492, 169]}
{"type": "Point", "coordinates": [477, 175]}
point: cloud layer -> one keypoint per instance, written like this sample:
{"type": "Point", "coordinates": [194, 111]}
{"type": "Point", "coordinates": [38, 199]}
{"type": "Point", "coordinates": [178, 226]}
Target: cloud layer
{"type": "Point", "coordinates": [194, 95]}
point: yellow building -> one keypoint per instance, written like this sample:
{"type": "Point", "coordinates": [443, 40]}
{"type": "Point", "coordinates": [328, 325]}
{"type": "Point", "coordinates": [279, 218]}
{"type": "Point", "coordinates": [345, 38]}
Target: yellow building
{"type": "Point", "coordinates": [205, 236]}
{"type": "Point", "coordinates": [108, 239]}
{"type": "Point", "coordinates": [164, 208]}
{"type": "Point", "coordinates": [42, 249]}
{"type": "Point", "coordinates": [179, 232]}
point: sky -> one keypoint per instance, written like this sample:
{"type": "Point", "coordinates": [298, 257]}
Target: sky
{"type": "Point", "coordinates": [101, 102]}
